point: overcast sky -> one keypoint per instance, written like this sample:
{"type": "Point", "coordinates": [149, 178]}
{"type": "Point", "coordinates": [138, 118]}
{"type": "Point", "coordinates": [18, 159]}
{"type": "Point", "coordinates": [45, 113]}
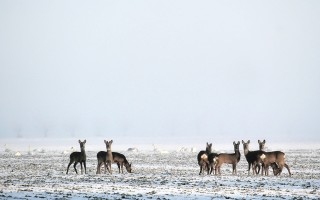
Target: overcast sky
{"type": "Point", "coordinates": [211, 69]}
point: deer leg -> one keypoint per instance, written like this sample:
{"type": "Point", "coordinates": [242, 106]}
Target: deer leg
{"type": "Point", "coordinates": [216, 169]}
{"type": "Point", "coordinates": [69, 166]}
{"type": "Point", "coordinates": [74, 166]}
{"type": "Point", "coordinates": [286, 166]}
{"type": "Point", "coordinates": [98, 167]}
{"type": "Point", "coordinates": [110, 170]}
{"type": "Point", "coordinates": [234, 169]}
{"type": "Point", "coordinates": [200, 168]}
{"type": "Point", "coordinates": [118, 167]}
{"type": "Point", "coordinates": [257, 166]}
{"type": "Point", "coordinates": [249, 167]}
{"type": "Point", "coordinates": [105, 167]}
{"type": "Point", "coordinates": [267, 170]}
{"type": "Point", "coordinates": [122, 167]}
{"type": "Point", "coordinates": [211, 169]}
{"type": "Point", "coordinates": [85, 167]}
{"type": "Point", "coordinates": [81, 167]}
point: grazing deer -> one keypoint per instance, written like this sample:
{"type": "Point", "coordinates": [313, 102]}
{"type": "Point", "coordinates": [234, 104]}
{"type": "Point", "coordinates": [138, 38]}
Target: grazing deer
{"type": "Point", "coordinates": [107, 159]}
{"type": "Point", "coordinates": [76, 157]}
{"type": "Point", "coordinates": [203, 158]}
{"type": "Point", "coordinates": [275, 168]}
{"type": "Point", "coordinates": [277, 157]}
{"type": "Point", "coordinates": [118, 158]}
{"type": "Point", "coordinates": [252, 157]}
{"type": "Point", "coordinates": [233, 159]}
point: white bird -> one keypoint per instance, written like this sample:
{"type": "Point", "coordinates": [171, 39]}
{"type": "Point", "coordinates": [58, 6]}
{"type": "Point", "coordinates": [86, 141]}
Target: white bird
{"type": "Point", "coordinates": [65, 152]}
{"type": "Point", "coordinates": [156, 150]}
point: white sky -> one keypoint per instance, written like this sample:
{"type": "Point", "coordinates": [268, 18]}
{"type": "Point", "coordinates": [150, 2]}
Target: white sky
{"type": "Point", "coordinates": [209, 69]}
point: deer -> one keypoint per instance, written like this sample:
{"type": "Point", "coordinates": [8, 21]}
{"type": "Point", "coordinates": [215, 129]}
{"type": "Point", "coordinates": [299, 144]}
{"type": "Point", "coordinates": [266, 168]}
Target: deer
{"type": "Point", "coordinates": [203, 158]}
{"type": "Point", "coordinates": [233, 159]}
{"type": "Point", "coordinates": [118, 158]}
{"type": "Point", "coordinates": [212, 158]}
{"type": "Point", "coordinates": [261, 148]}
{"type": "Point", "coordinates": [79, 157]}
{"type": "Point", "coordinates": [107, 159]}
{"type": "Point", "coordinates": [276, 159]}
{"type": "Point", "coordinates": [252, 157]}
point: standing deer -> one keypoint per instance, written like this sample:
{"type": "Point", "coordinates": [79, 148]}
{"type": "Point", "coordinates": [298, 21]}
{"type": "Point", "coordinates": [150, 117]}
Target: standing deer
{"type": "Point", "coordinates": [76, 157]}
{"type": "Point", "coordinates": [107, 160]}
{"type": "Point", "coordinates": [203, 158]}
{"type": "Point", "coordinates": [118, 158]}
{"type": "Point", "coordinates": [233, 159]}
{"type": "Point", "coordinates": [252, 157]}
{"type": "Point", "coordinates": [212, 158]}
{"type": "Point", "coordinates": [261, 148]}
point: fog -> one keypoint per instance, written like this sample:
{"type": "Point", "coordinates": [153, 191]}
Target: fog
{"type": "Point", "coordinates": [158, 69]}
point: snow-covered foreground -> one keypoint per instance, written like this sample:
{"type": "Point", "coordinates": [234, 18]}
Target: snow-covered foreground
{"type": "Point", "coordinates": [174, 175]}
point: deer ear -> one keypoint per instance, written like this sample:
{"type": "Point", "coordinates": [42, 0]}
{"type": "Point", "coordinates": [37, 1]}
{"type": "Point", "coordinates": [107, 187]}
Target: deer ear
{"type": "Point", "coordinates": [105, 141]}
{"type": "Point", "coordinates": [259, 141]}
{"type": "Point", "coordinates": [84, 141]}
{"type": "Point", "coordinates": [264, 141]}
{"type": "Point", "coordinates": [111, 141]}
{"type": "Point", "coordinates": [234, 142]}
{"type": "Point", "coordinates": [79, 141]}
{"type": "Point", "coordinates": [248, 141]}
{"type": "Point", "coordinates": [242, 142]}
{"type": "Point", "coordinates": [238, 142]}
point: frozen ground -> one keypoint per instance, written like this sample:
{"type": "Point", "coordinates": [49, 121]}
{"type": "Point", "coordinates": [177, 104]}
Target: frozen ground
{"type": "Point", "coordinates": [41, 175]}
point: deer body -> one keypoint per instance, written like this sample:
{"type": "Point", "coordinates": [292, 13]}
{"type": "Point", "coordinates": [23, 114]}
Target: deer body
{"type": "Point", "coordinates": [225, 158]}
{"type": "Point", "coordinates": [118, 158]}
{"type": "Point", "coordinates": [203, 158]}
{"type": "Point", "coordinates": [78, 157]}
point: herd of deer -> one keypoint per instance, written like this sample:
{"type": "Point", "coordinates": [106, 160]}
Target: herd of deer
{"type": "Point", "coordinates": [276, 159]}
{"type": "Point", "coordinates": [107, 157]}
{"type": "Point", "coordinates": [206, 159]}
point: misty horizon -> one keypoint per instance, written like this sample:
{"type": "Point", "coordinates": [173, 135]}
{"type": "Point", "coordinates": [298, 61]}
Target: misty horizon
{"type": "Point", "coordinates": [214, 71]}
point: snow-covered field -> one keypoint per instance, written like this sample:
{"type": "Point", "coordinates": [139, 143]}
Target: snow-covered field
{"type": "Point", "coordinates": [173, 175]}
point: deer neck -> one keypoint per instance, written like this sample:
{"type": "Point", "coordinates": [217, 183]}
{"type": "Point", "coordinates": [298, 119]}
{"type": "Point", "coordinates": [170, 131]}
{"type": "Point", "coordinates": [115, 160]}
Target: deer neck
{"type": "Point", "coordinates": [237, 152]}
{"type": "Point", "coordinates": [246, 151]}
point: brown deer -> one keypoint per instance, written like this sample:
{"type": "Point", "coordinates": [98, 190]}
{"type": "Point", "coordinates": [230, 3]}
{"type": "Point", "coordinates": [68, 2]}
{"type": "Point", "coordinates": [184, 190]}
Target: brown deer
{"type": "Point", "coordinates": [252, 157]}
{"type": "Point", "coordinates": [107, 160]}
{"type": "Point", "coordinates": [76, 157]}
{"type": "Point", "coordinates": [118, 158]}
{"type": "Point", "coordinates": [233, 159]}
{"type": "Point", "coordinates": [203, 158]}
{"type": "Point", "coordinates": [277, 157]}
{"type": "Point", "coordinates": [276, 167]}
